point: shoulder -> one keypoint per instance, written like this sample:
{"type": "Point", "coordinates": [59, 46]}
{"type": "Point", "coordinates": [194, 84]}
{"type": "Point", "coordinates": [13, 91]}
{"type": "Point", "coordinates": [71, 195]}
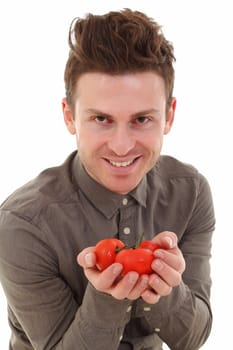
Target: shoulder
{"type": "Point", "coordinates": [182, 193]}
{"type": "Point", "coordinates": [182, 177]}
{"type": "Point", "coordinates": [53, 185]}
{"type": "Point", "coordinates": [170, 167]}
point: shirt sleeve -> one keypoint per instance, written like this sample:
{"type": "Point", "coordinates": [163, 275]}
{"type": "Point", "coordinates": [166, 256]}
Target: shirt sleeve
{"type": "Point", "coordinates": [43, 304]}
{"type": "Point", "coordinates": [183, 319]}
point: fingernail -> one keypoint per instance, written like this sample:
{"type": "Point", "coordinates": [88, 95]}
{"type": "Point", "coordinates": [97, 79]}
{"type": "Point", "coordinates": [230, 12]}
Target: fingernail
{"type": "Point", "coordinates": [155, 280]}
{"type": "Point", "coordinates": [116, 269]}
{"type": "Point", "coordinates": [157, 264]}
{"type": "Point", "coordinates": [144, 281]}
{"type": "Point", "coordinates": [132, 277]}
{"type": "Point", "coordinates": [158, 253]}
{"type": "Point", "coordinates": [169, 241]}
{"type": "Point", "coordinates": [89, 259]}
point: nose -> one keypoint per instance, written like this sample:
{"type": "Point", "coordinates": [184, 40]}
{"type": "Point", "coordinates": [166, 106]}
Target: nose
{"type": "Point", "coordinates": [121, 141]}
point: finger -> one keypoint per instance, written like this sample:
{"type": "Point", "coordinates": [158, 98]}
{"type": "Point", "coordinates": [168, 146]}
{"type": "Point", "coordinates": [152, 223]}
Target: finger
{"type": "Point", "coordinates": [139, 288]}
{"type": "Point", "coordinates": [167, 273]}
{"type": "Point", "coordinates": [159, 285]}
{"type": "Point", "coordinates": [104, 280]}
{"type": "Point", "coordinates": [124, 287]}
{"type": "Point", "coordinates": [173, 258]}
{"type": "Point", "coordinates": [150, 297]}
{"type": "Point", "coordinates": [87, 257]}
{"type": "Point", "coordinates": [166, 239]}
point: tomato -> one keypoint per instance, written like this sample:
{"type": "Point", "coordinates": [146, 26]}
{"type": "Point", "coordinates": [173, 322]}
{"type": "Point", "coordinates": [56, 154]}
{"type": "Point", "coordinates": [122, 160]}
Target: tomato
{"type": "Point", "coordinates": [138, 258]}
{"type": "Point", "coordinates": [135, 259]}
{"type": "Point", "coordinates": [106, 250]}
{"type": "Point", "coordinates": [149, 245]}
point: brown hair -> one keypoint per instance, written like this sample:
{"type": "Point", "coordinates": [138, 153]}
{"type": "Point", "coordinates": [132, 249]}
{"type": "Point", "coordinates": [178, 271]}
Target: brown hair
{"type": "Point", "coordinates": [115, 43]}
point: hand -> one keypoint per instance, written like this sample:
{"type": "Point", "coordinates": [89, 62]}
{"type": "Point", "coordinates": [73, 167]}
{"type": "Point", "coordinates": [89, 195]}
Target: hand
{"type": "Point", "coordinates": [131, 286]}
{"type": "Point", "coordinates": [168, 267]}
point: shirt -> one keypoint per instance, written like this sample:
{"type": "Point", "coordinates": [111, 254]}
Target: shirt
{"type": "Point", "coordinates": [48, 221]}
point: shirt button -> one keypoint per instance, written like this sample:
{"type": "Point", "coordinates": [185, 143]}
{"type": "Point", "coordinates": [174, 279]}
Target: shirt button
{"type": "Point", "coordinates": [147, 308]}
{"type": "Point", "coordinates": [129, 308]}
{"type": "Point", "coordinates": [126, 230]}
{"type": "Point", "coordinates": [157, 329]}
{"type": "Point", "coordinates": [125, 201]}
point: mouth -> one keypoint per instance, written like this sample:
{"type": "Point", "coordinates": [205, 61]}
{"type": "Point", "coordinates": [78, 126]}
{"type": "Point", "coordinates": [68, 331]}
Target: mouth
{"type": "Point", "coordinates": [123, 164]}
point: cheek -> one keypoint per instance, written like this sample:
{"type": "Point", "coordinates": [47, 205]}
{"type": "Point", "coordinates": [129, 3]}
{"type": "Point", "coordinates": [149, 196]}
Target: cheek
{"type": "Point", "coordinates": [153, 141]}
{"type": "Point", "coordinates": [87, 142]}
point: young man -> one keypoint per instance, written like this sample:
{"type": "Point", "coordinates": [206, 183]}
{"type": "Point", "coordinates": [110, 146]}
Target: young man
{"type": "Point", "coordinates": [119, 103]}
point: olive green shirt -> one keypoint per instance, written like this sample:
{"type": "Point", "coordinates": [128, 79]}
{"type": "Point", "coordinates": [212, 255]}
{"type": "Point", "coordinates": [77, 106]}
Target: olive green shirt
{"type": "Point", "coordinates": [47, 222]}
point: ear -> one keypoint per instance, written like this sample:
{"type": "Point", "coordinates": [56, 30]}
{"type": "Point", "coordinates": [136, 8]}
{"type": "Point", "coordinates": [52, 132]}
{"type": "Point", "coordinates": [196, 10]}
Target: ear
{"type": "Point", "coordinates": [68, 116]}
{"type": "Point", "coordinates": [170, 116]}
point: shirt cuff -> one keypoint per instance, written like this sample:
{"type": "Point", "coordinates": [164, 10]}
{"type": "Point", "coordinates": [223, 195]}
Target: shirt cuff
{"type": "Point", "coordinates": [103, 310]}
{"type": "Point", "coordinates": [166, 306]}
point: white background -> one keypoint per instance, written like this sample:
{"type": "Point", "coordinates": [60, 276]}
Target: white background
{"type": "Point", "coordinates": [33, 52]}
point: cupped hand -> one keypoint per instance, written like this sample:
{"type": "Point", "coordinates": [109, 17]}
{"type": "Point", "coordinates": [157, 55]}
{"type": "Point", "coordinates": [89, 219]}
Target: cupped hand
{"type": "Point", "coordinates": [169, 265]}
{"type": "Point", "coordinates": [109, 281]}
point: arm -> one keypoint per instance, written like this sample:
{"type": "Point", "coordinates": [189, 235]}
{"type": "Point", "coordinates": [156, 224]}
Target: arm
{"type": "Point", "coordinates": [42, 301]}
{"type": "Point", "coordinates": [184, 316]}
{"type": "Point", "coordinates": [178, 292]}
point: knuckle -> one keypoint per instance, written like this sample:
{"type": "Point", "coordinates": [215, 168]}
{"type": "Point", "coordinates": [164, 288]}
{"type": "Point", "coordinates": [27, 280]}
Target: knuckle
{"type": "Point", "coordinates": [173, 237]}
{"type": "Point", "coordinates": [177, 280]}
{"type": "Point", "coordinates": [155, 298]}
{"type": "Point", "coordinates": [118, 296]}
{"type": "Point", "coordinates": [133, 296]}
{"type": "Point", "coordinates": [182, 265]}
{"type": "Point", "coordinates": [151, 297]}
{"type": "Point", "coordinates": [167, 290]}
{"type": "Point", "coordinates": [98, 286]}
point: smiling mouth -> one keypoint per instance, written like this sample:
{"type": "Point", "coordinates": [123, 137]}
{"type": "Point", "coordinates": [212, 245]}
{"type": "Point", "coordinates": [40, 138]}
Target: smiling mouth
{"type": "Point", "coordinates": [122, 164]}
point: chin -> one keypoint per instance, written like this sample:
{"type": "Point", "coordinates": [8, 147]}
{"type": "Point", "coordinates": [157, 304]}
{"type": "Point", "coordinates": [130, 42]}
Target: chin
{"type": "Point", "coordinates": [122, 190]}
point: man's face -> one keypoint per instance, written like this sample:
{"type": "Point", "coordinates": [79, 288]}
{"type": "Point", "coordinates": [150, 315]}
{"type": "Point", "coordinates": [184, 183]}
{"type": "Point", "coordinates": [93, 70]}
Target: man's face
{"type": "Point", "coordinates": [119, 122]}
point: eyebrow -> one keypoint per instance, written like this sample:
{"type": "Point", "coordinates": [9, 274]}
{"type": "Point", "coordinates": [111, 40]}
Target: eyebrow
{"type": "Point", "coordinates": [140, 113]}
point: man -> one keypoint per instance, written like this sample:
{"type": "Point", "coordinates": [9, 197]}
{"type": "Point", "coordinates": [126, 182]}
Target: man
{"type": "Point", "coordinates": [119, 103]}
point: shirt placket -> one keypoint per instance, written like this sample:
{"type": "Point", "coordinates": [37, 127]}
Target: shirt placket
{"type": "Point", "coordinates": [127, 222]}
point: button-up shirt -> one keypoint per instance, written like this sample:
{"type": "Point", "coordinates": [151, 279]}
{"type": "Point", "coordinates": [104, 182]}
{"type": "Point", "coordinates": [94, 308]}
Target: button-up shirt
{"type": "Point", "coordinates": [47, 222]}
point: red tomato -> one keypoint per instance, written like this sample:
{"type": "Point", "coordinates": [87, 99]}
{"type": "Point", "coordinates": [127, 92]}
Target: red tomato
{"type": "Point", "coordinates": [135, 259]}
{"type": "Point", "coordinates": [105, 251]}
{"type": "Point", "coordinates": [149, 245]}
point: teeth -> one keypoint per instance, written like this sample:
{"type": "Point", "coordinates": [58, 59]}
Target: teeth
{"type": "Point", "coordinates": [121, 164]}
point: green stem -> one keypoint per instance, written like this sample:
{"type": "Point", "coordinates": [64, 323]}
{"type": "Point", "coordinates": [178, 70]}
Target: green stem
{"type": "Point", "coordinates": [137, 244]}
{"type": "Point", "coordinates": [139, 240]}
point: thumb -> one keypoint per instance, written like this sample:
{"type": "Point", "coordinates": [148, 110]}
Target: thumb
{"type": "Point", "coordinates": [87, 258]}
{"type": "Point", "coordinates": [166, 239]}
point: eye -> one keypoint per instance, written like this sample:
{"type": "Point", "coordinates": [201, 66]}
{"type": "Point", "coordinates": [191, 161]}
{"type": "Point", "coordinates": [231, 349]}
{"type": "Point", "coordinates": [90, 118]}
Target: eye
{"type": "Point", "coordinates": [142, 120]}
{"type": "Point", "coordinates": [101, 119]}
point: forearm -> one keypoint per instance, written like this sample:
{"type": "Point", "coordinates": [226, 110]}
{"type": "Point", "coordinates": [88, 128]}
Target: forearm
{"type": "Point", "coordinates": [99, 323]}
{"type": "Point", "coordinates": [182, 320]}
{"type": "Point", "coordinates": [44, 305]}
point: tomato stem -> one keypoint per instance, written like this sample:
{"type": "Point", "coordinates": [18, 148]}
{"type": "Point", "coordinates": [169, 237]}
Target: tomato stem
{"type": "Point", "coordinates": [118, 249]}
{"type": "Point", "coordinates": [139, 240]}
{"type": "Point", "coordinates": [135, 246]}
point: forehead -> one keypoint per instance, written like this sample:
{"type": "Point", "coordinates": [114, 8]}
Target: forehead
{"type": "Point", "coordinates": [130, 81]}
{"type": "Point", "coordinates": [142, 88]}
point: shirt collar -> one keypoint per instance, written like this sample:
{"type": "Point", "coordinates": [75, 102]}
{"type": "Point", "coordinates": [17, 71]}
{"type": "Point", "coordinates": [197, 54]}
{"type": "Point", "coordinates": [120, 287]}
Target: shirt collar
{"type": "Point", "coordinates": [104, 200]}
